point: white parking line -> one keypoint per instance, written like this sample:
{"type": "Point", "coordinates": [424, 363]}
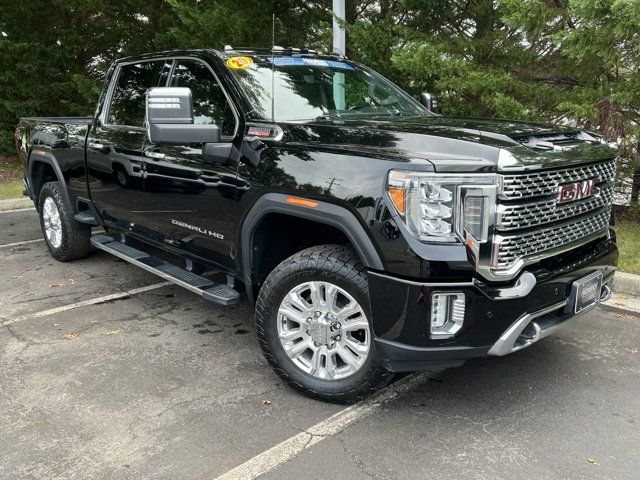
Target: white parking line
{"type": "Point", "coordinates": [294, 446]}
{"type": "Point", "coordinates": [18, 210]}
{"type": "Point", "coordinates": [85, 303]}
{"type": "Point", "coordinates": [24, 242]}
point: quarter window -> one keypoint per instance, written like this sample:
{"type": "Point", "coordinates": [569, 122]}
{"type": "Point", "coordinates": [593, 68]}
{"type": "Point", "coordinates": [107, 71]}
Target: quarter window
{"type": "Point", "coordinates": [127, 103]}
{"type": "Point", "coordinates": [210, 105]}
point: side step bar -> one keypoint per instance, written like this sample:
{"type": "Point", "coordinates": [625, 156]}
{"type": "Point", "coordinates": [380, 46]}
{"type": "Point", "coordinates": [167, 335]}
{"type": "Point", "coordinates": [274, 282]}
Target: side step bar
{"type": "Point", "coordinates": [87, 218]}
{"type": "Point", "coordinates": [208, 289]}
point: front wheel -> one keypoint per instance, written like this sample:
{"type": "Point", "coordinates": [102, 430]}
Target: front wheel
{"type": "Point", "coordinates": [121, 176]}
{"type": "Point", "coordinates": [66, 238]}
{"type": "Point", "coordinates": [313, 323]}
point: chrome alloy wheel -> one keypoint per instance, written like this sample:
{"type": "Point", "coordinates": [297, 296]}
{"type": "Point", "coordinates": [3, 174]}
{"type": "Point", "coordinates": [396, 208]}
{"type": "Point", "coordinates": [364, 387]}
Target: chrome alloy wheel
{"type": "Point", "coordinates": [324, 330]}
{"type": "Point", "coordinates": [52, 222]}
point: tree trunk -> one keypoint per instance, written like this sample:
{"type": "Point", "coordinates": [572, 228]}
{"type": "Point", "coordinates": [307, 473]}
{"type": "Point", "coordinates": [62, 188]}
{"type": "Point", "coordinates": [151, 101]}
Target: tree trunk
{"type": "Point", "coordinates": [635, 186]}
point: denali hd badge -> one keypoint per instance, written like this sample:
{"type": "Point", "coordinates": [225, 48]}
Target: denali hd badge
{"type": "Point", "coordinates": [204, 231]}
{"type": "Point", "coordinates": [570, 192]}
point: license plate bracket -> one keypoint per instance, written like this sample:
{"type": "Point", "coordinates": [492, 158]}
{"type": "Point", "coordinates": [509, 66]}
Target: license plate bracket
{"type": "Point", "coordinates": [585, 292]}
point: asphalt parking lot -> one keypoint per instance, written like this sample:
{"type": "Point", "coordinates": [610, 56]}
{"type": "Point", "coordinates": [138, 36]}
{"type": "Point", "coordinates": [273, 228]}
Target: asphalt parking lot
{"type": "Point", "coordinates": [107, 372]}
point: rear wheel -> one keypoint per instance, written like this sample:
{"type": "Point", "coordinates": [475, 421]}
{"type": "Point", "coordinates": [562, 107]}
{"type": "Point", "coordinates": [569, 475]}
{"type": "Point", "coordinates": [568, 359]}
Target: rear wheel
{"type": "Point", "coordinates": [66, 238]}
{"type": "Point", "coordinates": [314, 325]}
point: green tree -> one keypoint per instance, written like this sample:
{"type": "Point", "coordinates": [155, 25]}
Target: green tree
{"type": "Point", "coordinates": [216, 23]}
{"type": "Point", "coordinates": [563, 61]}
{"type": "Point", "coordinates": [556, 61]}
{"type": "Point", "coordinates": [53, 54]}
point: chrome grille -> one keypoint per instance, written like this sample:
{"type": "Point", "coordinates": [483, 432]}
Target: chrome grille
{"type": "Point", "coordinates": [531, 225]}
{"type": "Point", "coordinates": [525, 215]}
{"type": "Point", "coordinates": [512, 248]}
{"type": "Point", "coordinates": [530, 185]}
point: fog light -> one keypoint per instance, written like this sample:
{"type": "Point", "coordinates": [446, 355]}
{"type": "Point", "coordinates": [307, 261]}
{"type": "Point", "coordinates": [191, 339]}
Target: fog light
{"type": "Point", "coordinates": [447, 314]}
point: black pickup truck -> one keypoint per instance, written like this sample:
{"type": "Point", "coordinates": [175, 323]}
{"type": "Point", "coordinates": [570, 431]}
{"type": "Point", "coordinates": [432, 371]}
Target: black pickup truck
{"type": "Point", "coordinates": [373, 235]}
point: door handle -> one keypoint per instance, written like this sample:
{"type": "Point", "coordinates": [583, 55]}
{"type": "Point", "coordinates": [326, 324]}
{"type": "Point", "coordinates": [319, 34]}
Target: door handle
{"type": "Point", "coordinates": [154, 155]}
{"type": "Point", "coordinates": [97, 146]}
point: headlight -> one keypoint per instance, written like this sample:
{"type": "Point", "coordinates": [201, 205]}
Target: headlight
{"type": "Point", "coordinates": [443, 207]}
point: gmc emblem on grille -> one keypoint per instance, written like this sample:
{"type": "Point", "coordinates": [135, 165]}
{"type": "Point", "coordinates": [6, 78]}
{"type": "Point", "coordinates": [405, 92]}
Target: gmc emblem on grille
{"type": "Point", "coordinates": [570, 192]}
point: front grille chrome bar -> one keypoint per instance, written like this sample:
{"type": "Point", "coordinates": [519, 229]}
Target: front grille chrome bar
{"type": "Point", "coordinates": [509, 249]}
{"type": "Point", "coordinates": [530, 225]}
{"type": "Point", "coordinates": [531, 214]}
{"type": "Point", "coordinates": [546, 182]}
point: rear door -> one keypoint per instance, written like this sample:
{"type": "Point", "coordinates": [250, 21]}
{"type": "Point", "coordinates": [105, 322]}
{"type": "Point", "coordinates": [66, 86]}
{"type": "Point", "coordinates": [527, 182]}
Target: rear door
{"type": "Point", "coordinates": [191, 202]}
{"type": "Point", "coordinates": [115, 144]}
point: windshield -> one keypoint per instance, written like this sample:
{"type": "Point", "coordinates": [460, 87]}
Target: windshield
{"type": "Point", "coordinates": [308, 88]}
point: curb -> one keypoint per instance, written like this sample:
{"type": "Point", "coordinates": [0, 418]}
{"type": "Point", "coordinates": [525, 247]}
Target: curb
{"type": "Point", "coordinates": [15, 204]}
{"type": "Point", "coordinates": [626, 283]}
{"type": "Point", "coordinates": [620, 301]}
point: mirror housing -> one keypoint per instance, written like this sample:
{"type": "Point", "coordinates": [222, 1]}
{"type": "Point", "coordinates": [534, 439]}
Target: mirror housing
{"type": "Point", "coordinates": [169, 112]}
{"type": "Point", "coordinates": [429, 101]}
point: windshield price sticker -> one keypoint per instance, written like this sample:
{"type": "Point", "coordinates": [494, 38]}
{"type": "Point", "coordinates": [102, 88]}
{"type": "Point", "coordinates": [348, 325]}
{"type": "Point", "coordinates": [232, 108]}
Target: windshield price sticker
{"type": "Point", "coordinates": [239, 62]}
{"type": "Point", "coordinates": [314, 62]}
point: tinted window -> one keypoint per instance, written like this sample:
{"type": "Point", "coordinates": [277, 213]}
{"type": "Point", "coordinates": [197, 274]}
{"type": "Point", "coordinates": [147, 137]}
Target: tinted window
{"type": "Point", "coordinates": [209, 102]}
{"type": "Point", "coordinates": [127, 104]}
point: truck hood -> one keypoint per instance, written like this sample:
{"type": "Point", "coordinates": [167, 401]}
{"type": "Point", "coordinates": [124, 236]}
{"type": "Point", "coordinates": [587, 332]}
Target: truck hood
{"type": "Point", "coordinates": [453, 144]}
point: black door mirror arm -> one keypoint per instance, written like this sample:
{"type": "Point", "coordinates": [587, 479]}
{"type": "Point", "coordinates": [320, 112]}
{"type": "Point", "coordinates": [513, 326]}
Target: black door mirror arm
{"type": "Point", "coordinates": [218, 153]}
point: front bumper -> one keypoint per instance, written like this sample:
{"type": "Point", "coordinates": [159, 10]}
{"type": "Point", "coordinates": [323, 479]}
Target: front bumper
{"type": "Point", "coordinates": [499, 318]}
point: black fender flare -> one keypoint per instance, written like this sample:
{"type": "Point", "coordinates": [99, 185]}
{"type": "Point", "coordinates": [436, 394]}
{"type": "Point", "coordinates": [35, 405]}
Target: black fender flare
{"type": "Point", "coordinates": [324, 213]}
{"type": "Point", "coordinates": [49, 159]}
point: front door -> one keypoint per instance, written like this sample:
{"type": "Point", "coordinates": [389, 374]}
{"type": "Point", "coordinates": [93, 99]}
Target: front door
{"type": "Point", "coordinates": [115, 145]}
{"type": "Point", "coordinates": [191, 202]}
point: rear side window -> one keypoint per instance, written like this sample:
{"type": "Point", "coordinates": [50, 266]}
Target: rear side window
{"type": "Point", "coordinates": [127, 103]}
{"type": "Point", "coordinates": [210, 104]}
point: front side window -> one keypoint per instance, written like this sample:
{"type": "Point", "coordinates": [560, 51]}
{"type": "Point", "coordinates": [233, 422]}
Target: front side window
{"type": "Point", "coordinates": [305, 88]}
{"type": "Point", "coordinates": [210, 105]}
{"type": "Point", "coordinates": [128, 101]}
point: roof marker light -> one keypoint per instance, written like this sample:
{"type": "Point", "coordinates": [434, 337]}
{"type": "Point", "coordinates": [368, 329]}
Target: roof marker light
{"type": "Point", "coordinates": [303, 202]}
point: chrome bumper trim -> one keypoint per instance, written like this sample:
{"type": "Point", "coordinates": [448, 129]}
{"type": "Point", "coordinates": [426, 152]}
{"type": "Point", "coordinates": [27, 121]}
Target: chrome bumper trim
{"type": "Point", "coordinates": [521, 288]}
{"type": "Point", "coordinates": [424, 284]}
{"type": "Point", "coordinates": [508, 341]}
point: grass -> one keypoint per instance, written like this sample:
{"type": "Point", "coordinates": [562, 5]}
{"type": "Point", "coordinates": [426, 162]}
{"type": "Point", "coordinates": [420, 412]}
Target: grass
{"type": "Point", "coordinates": [10, 177]}
{"type": "Point", "coordinates": [10, 168]}
{"type": "Point", "coordinates": [628, 234]}
{"type": "Point", "coordinates": [11, 190]}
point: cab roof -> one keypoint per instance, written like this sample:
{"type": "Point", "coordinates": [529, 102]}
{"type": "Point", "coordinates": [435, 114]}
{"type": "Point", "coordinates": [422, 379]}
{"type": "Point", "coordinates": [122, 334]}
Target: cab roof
{"type": "Point", "coordinates": [228, 51]}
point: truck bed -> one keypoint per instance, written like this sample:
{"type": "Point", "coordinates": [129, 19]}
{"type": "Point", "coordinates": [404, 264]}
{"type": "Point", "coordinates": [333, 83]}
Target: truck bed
{"type": "Point", "coordinates": [51, 132]}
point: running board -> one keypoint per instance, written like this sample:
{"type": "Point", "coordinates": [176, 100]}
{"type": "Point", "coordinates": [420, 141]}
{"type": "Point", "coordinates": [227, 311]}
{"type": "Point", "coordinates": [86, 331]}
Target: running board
{"type": "Point", "coordinates": [208, 289]}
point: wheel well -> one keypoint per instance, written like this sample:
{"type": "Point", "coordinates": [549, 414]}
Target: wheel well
{"type": "Point", "coordinates": [41, 173]}
{"type": "Point", "coordinates": [279, 236]}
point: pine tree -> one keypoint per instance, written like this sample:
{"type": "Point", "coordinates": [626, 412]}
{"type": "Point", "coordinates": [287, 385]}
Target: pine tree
{"type": "Point", "coordinates": [564, 61]}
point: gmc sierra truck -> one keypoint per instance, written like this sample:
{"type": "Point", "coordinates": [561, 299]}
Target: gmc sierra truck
{"type": "Point", "coordinates": [372, 235]}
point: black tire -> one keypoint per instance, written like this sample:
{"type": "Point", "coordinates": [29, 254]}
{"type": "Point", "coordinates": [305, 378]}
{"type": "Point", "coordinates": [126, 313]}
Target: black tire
{"type": "Point", "coordinates": [75, 241]}
{"type": "Point", "coordinates": [121, 176]}
{"type": "Point", "coordinates": [331, 263]}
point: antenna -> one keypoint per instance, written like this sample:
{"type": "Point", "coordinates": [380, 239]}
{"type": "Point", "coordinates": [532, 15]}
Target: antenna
{"type": "Point", "coordinates": [273, 66]}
